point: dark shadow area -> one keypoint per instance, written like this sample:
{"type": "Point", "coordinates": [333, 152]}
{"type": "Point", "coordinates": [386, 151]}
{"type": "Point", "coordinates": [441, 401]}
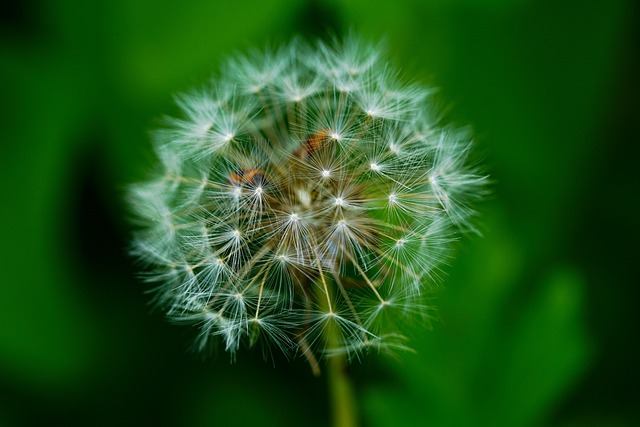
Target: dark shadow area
{"type": "Point", "coordinates": [97, 238]}
{"type": "Point", "coordinates": [605, 245]}
{"type": "Point", "coordinates": [22, 20]}
{"type": "Point", "coordinates": [317, 20]}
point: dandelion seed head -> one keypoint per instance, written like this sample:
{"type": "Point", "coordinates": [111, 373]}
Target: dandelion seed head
{"type": "Point", "coordinates": [305, 191]}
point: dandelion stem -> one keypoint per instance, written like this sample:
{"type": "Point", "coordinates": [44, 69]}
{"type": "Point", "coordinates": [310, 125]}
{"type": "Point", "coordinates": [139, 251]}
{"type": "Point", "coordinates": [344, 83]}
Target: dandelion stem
{"type": "Point", "coordinates": [341, 393]}
{"type": "Point", "coordinates": [343, 403]}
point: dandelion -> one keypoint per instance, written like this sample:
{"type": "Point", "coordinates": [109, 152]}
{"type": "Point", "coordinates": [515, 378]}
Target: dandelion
{"type": "Point", "coordinates": [304, 202]}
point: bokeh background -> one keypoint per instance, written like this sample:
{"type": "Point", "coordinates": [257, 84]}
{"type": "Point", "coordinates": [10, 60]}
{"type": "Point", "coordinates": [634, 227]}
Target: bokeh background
{"type": "Point", "coordinates": [538, 319]}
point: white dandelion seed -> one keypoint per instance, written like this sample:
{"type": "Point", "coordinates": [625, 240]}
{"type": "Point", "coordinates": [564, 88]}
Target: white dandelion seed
{"type": "Point", "coordinates": [304, 203]}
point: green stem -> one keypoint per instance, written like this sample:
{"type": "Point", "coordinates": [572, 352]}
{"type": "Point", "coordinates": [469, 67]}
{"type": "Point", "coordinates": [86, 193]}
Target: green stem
{"type": "Point", "coordinates": [344, 412]}
{"type": "Point", "coordinates": [343, 402]}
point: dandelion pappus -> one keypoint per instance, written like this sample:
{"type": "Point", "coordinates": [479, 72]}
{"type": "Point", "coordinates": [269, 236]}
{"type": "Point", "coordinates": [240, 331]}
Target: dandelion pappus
{"type": "Point", "coordinates": [303, 200]}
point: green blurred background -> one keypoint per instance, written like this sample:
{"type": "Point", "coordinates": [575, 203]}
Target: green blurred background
{"type": "Point", "coordinates": [537, 319]}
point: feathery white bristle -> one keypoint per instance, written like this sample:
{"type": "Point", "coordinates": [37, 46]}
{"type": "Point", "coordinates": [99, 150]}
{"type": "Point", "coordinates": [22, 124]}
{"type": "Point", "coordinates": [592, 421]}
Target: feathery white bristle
{"type": "Point", "coordinates": [306, 191]}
